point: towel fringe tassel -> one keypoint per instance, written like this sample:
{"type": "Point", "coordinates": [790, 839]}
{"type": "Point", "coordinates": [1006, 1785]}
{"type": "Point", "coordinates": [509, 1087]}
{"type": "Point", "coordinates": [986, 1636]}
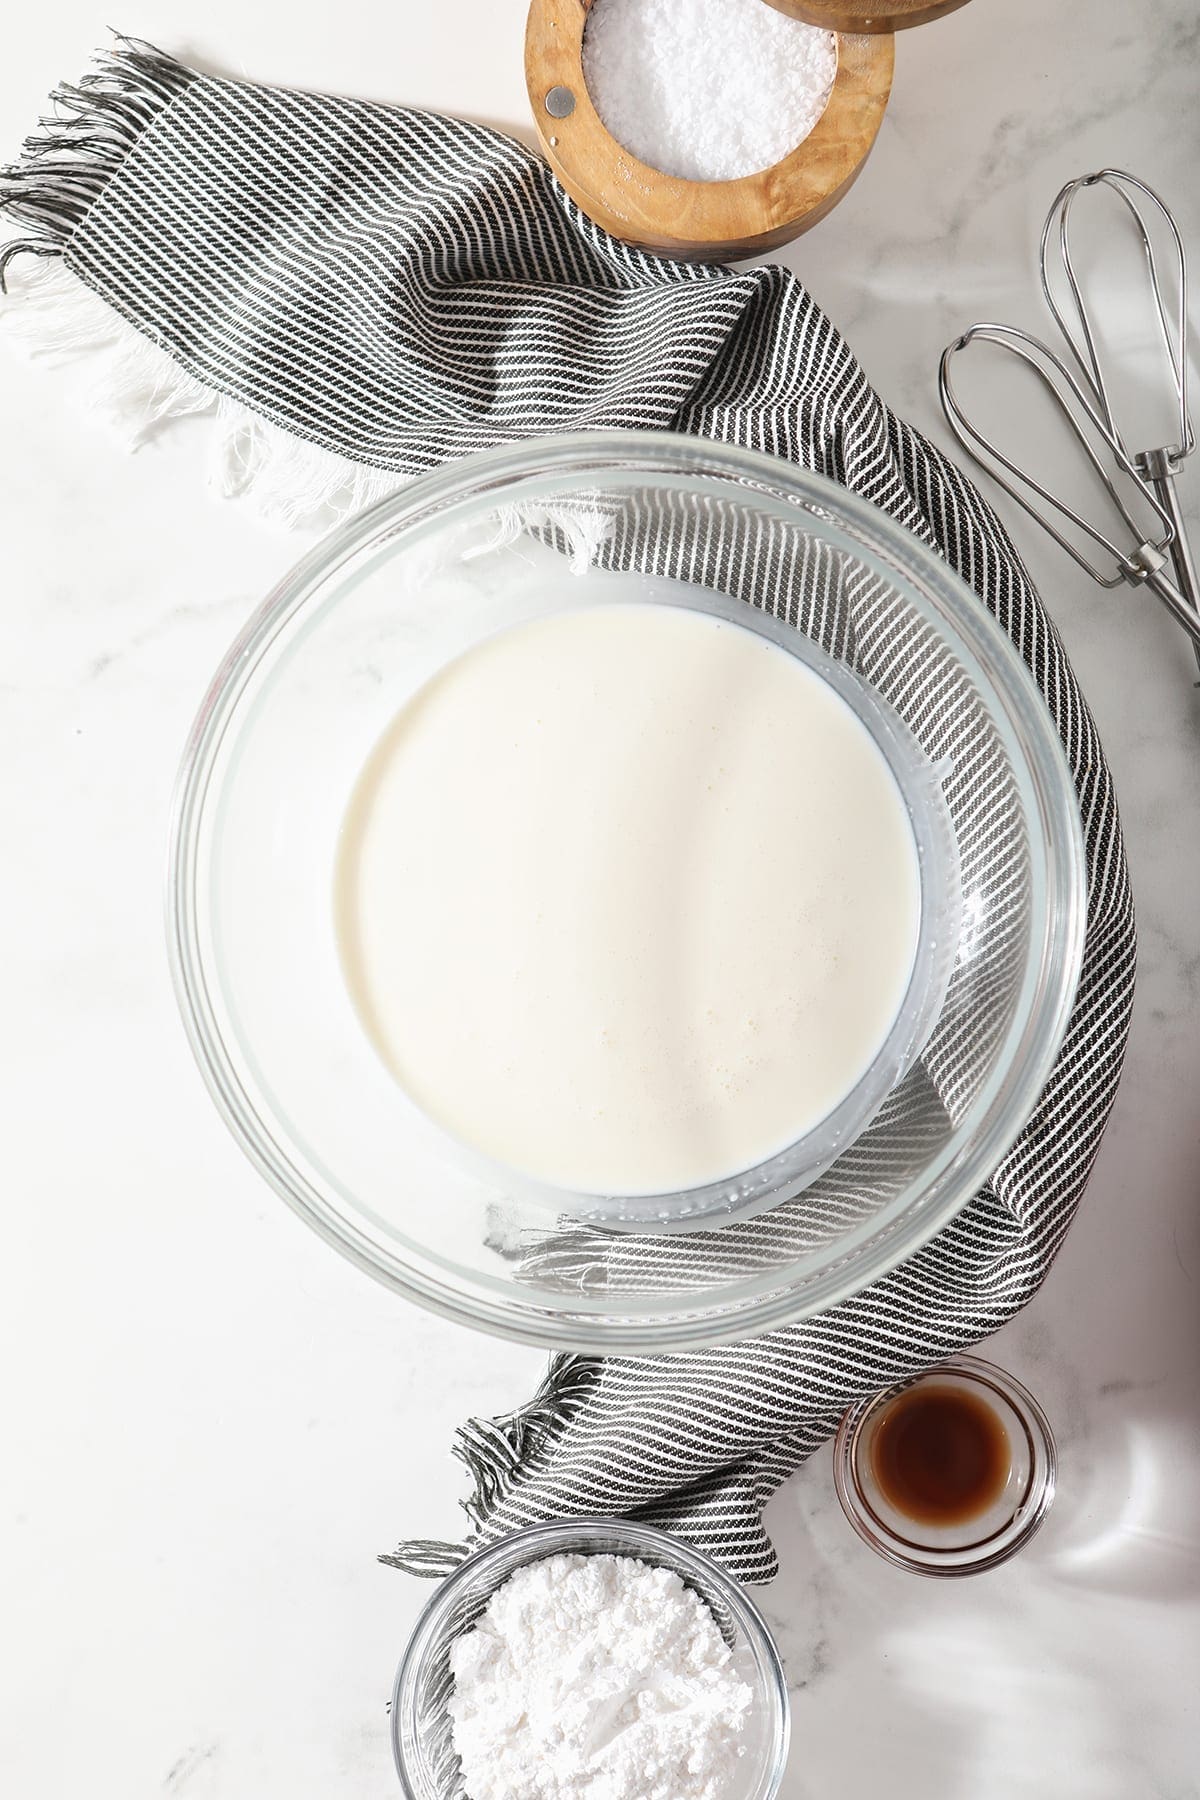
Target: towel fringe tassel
{"type": "Point", "coordinates": [137, 389]}
{"type": "Point", "coordinates": [496, 1450]}
{"type": "Point", "coordinates": [78, 147]}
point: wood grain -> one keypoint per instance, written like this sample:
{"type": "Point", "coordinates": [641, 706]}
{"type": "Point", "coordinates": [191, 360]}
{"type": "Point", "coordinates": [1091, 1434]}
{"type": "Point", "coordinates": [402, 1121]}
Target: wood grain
{"type": "Point", "coordinates": [695, 221]}
{"type": "Point", "coordinates": [866, 15]}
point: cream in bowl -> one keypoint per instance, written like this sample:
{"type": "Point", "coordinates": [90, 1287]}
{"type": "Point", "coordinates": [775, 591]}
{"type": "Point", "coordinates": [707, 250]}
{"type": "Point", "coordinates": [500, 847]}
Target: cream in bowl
{"type": "Point", "coordinates": [374, 617]}
{"type": "Point", "coordinates": [628, 898]}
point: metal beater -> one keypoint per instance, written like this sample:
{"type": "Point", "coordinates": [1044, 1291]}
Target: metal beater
{"type": "Point", "coordinates": [1139, 484]}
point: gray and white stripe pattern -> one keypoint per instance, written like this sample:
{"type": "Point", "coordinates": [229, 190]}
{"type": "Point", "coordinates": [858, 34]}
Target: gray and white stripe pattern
{"type": "Point", "coordinates": [400, 289]}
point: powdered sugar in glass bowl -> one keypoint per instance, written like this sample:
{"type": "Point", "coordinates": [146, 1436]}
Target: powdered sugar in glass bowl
{"type": "Point", "coordinates": [426, 1761]}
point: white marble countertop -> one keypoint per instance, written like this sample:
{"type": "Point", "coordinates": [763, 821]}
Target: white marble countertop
{"type": "Point", "coordinates": [211, 1424]}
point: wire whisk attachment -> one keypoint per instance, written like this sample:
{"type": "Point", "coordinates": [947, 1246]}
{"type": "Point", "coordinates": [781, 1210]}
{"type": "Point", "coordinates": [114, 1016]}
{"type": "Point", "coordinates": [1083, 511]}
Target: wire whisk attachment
{"type": "Point", "coordinates": [1082, 336]}
{"type": "Point", "coordinates": [1143, 540]}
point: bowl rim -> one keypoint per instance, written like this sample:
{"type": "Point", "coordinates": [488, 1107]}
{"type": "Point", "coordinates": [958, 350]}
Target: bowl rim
{"type": "Point", "coordinates": [1007, 1097]}
{"type": "Point", "coordinates": [586, 1536]}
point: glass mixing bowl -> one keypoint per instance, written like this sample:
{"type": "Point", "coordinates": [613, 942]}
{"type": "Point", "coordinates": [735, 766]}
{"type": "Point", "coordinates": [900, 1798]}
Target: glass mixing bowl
{"type": "Point", "coordinates": [426, 1761]}
{"type": "Point", "coordinates": [492, 541]}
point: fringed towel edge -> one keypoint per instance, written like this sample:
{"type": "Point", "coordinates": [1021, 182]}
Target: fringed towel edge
{"type": "Point", "coordinates": [62, 172]}
{"type": "Point", "coordinates": [66, 164]}
{"type": "Point", "coordinates": [137, 389]}
{"type": "Point", "coordinates": [496, 1450]}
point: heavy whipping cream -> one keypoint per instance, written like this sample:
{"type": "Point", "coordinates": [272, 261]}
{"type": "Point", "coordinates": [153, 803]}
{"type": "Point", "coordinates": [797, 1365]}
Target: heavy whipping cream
{"type": "Point", "coordinates": [627, 898]}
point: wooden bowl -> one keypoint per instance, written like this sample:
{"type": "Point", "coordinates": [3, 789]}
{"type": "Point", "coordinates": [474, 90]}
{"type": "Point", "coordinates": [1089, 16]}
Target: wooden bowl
{"type": "Point", "coordinates": [866, 15]}
{"type": "Point", "coordinates": [698, 221]}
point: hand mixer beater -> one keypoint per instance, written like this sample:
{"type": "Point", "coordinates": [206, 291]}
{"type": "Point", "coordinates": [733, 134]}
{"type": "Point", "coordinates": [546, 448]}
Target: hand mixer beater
{"type": "Point", "coordinates": [1139, 485]}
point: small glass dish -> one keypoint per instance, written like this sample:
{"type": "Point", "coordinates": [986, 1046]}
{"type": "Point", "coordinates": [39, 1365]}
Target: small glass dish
{"type": "Point", "coordinates": [426, 1760]}
{"type": "Point", "coordinates": [983, 1540]}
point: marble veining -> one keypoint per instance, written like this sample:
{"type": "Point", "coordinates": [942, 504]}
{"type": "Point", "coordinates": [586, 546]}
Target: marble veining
{"type": "Point", "coordinates": [211, 1423]}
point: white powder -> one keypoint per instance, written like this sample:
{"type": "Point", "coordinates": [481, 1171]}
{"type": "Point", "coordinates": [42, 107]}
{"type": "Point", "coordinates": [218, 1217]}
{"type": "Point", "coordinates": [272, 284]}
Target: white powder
{"type": "Point", "coordinates": [596, 1678]}
{"type": "Point", "coordinates": [706, 89]}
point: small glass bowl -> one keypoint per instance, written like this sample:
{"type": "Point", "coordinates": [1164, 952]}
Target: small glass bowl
{"type": "Point", "coordinates": [979, 1543]}
{"type": "Point", "coordinates": [426, 1760]}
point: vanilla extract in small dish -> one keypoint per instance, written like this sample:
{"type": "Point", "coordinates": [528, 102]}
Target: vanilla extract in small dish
{"type": "Point", "coordinates": [948, 1474]}
{"type": "Point", "coordinates": [940, 1454]}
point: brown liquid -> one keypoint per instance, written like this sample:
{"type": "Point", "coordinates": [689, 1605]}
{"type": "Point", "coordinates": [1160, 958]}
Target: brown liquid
{"type": "Point", "coordinates": [940, 1455]}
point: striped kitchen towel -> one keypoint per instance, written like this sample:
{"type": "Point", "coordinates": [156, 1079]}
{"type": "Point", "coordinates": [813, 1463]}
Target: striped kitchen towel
{"type": "Point", "coordinates": [358, 293]}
